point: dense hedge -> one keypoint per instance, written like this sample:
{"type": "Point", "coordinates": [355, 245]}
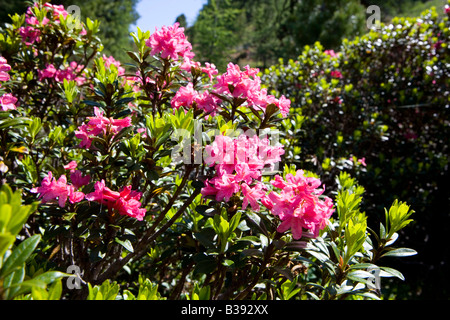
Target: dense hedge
{"type": "Point", "coordinates": [383, 99]}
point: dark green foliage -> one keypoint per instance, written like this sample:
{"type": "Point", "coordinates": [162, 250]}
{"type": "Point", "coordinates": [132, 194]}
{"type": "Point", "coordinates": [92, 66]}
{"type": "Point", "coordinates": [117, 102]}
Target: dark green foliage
{"type": "Point", "coordinates": [391, 106]}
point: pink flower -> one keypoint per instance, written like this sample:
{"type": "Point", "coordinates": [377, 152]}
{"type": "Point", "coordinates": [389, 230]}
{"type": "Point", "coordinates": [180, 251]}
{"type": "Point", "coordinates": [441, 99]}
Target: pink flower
{"type": "Point", "coordinates": [71, 165]}
{"type": "Point", "coordinates": [75, 196]}
{"type": "Point", "coordinates": [48, 72]}
{"type": "Point", "coordinates": [69, 73]}
{"type": "Point", "coordinates": [4, 76]}
{"type": "Point", "coordinates": [238, 163]}
{"type": "Point", "coordinates": [32, 20]}
{"type": "Point", "coordinates": [170, 42]}
{"type": "Point", "coordinates": [284, 105]}
{"type": "Point", "coordinates": [111, 61]}
{"type": "Point", "coordinates": [362, 161]}
{"type": "Point", "coordinates": [207, 102]}
{"type": "Point", "coordinates": [52, 189]}
{"type": "Point", "coordinates": [336, 74]}
{"type": "Point", "coordinates": [298, 204]}
{"type": "Point", "coordinates": [4, 69]}
{"type": "Point", "coordinates": [125, 202]}
{"type": "Point", "coordinates": [331, 53]}
{"type": "Point", "coordinates": [210, 70]}
{"type": "Point", "coordinates": [99, 125]}
{"type": "Point", "coordinates": [184, 97]}
{"type": "Point", "coordinates": [143, 131]}
{"type": "Point", "coordinates": [29, 35]}
{"type": "Point", "coordinates": [251, 195]}
{"type": "Point", "coordinates": [8, 102]}
{"type": "Point", "coordinates": [102, 194]}
{"type": "Point", "coordinates": [247, 85]}
{"type": "Point", "coordinates": [57, 10]}
{"type": "Point", "coordinates": [221, 151]}
{"type": "Point", "coordinates": [78, 180]}
{"type": "Point", "coordinates": [225, 187]}
{"type": "Point", "coordinates": [188, 64]}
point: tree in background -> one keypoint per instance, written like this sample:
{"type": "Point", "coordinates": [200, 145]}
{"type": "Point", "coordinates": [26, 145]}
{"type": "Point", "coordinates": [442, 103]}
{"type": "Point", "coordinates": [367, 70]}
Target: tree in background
{"type": "Point", "coordinates": [115, 17]}
{"type": "Point", "coordinates": [260, 32]}
{"type": "Point", "coordinates": [216, 34]}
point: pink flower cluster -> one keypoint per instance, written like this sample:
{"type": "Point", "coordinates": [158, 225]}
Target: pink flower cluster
{"type": "Point", "coordinates": [57, 10]}
{"type": "Point", "coordinates": [187, 96]}
{"type": "Point", "coordinates": [170, 42]}
{"type": "Point", "coordinates": [111, 61]}
{"type": "Point", "coordinates": [239, 163]}
{"type": "Point", "coordinates": [247, 84]}
{"type": "Point", "coordinates": [69, 73]}
{"type": "Point", "coordinates": [52, 189]}
{"type": "Point", "coordinates": [7, 100]}
{"type": "Point", "coordinates": [126, 202]}
{"type": "Point", "coordinates": [99, 125]}
{"type": "Point", "coordinates": [298, 204]}
{"type": "Point", "coordinates": [331, 53]}
{"type": "Point", "coordinates": [209, 68]}
{"type": "Point", "coordinates": [336, 74]}
{"type": "Point", "coordinates": [31, 32]}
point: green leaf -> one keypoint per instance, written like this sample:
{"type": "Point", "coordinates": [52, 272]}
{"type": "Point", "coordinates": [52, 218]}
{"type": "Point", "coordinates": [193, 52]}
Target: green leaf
{"type": "Point", "coordinates": [50, 276]}
{"type": "Point", "coordinates": [234, 222]}
{"type": "Point", "coordinates": [20, 254]}
{"type": "Point", "coordinates": [122, 133]}
{"type": "Point", "coordinates": [400, 252]}
{"type": "Point", "coordinates": [11, 281]}
{"type": "Point", "coordinates": [6, 240]}
{"type": "Point", "coordinates": [55, 291]}
{"type": "Point", "coordinates": [392, 272]}
{"type": "Point", "coordinates": [126, 244]}
{"type": "Point", "coordinates": [228, 263]}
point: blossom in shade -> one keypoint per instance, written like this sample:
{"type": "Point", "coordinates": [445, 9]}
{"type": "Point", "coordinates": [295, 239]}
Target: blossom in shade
{"type": "Point", "coordinates": [78, 180]}
{"type": "Point", "coordinates": [99, 125]}
{"type": "Point", "coordinates": [8, 102]}
{"type": "Point", "coordinates": [299, 204]}
{"type": "Point", "coordinates": [362, 161]}
{"type": "Point", "coordinates": [4, 69]}
{"type": "Point", "coordinates": [69, 73]}
{"type": "Point", "coordinates": [29, 35]}
{"type": "Point", "coordinates": [71, 165]}
{"type": "Point", "coordinates": [48, 72]}
{"type": "Point", "coordinates": [336, 74]}
{"type": "Point", "coordinates": [207, 102]}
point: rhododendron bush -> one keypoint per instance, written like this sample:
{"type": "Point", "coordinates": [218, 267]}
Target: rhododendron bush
{"type": "Point", "coordinates": [164, 179]}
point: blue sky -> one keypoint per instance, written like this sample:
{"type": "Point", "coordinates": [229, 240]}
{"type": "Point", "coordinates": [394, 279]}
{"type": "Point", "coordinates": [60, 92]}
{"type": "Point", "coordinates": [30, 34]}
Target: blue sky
{"type": "Point", "coordinates": [156, 13]}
